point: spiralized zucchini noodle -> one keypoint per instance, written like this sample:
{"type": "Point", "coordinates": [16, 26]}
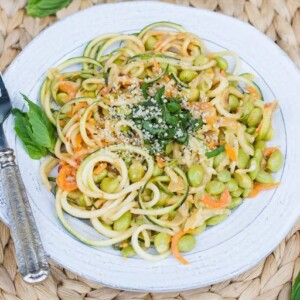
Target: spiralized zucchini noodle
{"type": "Point", "coordinates": [157, 138]}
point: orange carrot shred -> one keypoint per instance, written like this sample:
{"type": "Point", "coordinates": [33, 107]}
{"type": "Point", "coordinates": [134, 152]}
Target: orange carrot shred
{"type": "Point", "coordinates": [258, 187]}
{"type": "Point", "coordinates": [174, 244]}
{"type": "Point", "coordinates": [216, 204]}
{"type": "Point", "coordinates": [100, 168]}
{"type": "Point", "coordinates": [270, 150]}
{"type": "Point", "coordinates": [66, 178]}
{"type": "Point", "coordinates": [230, 151]}
{"type": "Point", "coordinates": [252, 90]}
{"type": "Point", "coordinates": [160, 162]}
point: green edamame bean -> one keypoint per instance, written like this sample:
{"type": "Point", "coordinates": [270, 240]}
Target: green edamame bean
{"type": "Point", "coordinates": [172, 214]}
{"type": "Point", "coordinates": [247, 108]}
{"type": "Point", "coordinates": [260, 145]}
{"type": "Point", "coordinates": [128, 251]}
{"type": "Point", "coordinates": [81, 201]}
{"type": "Point", "coordinates": [150, 43]}
{"type": "Point", "coordinates": [275, 161]}
{"type": "Point", "coordinates": [109, 185]}
{"type": "Point", "coordinates": [61, 98]}
{"type": "Point", "coordinates": [258, 155]}
{"type": "Point", "coordinates": [123, 222]}
{"type": "Point", "coordinates": [232, 185]}
{"type": "Point", "coordinates": [255, 117]}
{"type": "Point", "coordinates": [215, 187]}
{"type": "Point", "coordinates": [219, 158]}
{"type": "Point", "coordinates": [162, 242]}
{"type": "Point", "coordinates": [125, 128]}
{"type": "Point", "coordinates": [216, 220]}
{"type": "Point", "coordinates": [264, 177]}
{"type": "Point", "coordinates": [157, 171]}
{"type": "Point", "coordinates": [186, 243]}
{"type": "Point", "coordinates": [233, 102]}
{"type": "Point", "coordinates": [97, 178]}
{"type": "Point", "coordinates": [195, 175]}
{"type": "Point", "coordinates": [243, 180]}
{"type": "Point", "coordinates": [169, 148]}
{"type": "Point", "coordinates": [193, 94]}
{"type": "Point", "coordinates": [250, 130]}
{"type": "Point", "coordinates": [187, 75]}
{"type": "Point", "coordinates": [136, 172]}
{"type": "Point", "coordinates": [118, 62]}
{"type": "Point", "coordinates": [201, 60]}
{"type": "Point", "coordinates": [235, 201]}
{"type": "Point", "coordinates": [224, 175]}
{"type": "Point", "coordinates": [172, 70]}
{"type": "Point", "coordinates": [200, 228]}
{"type": "Point", "coordinates": [90, 94]}
{"type": "Point", "coordinates": [254, 173]}
{"type": "Point", "coordinates": [246, 192]}
{"type": "Point", "coordinates": [221, 63]}
{"type": "Point", "coordinates": [270, 134]}
{"type": "Point", "coordinates": [127, 161]}
{"type": "Point", "coordinates": [237, 193]}
{"type": "Point", "coordinates": [243, 159]}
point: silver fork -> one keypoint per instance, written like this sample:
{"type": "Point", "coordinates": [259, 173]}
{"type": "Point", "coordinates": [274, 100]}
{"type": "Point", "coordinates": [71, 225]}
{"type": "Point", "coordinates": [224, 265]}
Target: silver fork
{"type": "Point", "coordinates": [31, 258]}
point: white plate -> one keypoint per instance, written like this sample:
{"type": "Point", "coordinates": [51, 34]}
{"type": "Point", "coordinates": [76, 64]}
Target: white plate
{"type": "Point", "coordinates": [250, 233]}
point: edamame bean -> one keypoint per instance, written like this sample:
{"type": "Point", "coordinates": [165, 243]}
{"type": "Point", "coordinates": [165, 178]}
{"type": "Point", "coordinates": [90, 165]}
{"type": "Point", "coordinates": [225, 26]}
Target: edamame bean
{"type": "Point", "coordinates": [90, 94]}
{"type": "Point", "coordinates": [224, 175]}
{"type": "Point", "coordinates": [254, 173]}
{"type": "Point", "coordinates": [236, 201]}
{"type": "Point", "coordinates": [275, 161]}
{"type": "Point", "coordinates": [243, 159]}
{"type": "Point", "coordinates": [247, 108]}
{"type": "Point", "coordinates": [221, 63]}
{"type": "Point", "coordinates": [125, 128]}
{"type": "Point", "coordinates": [232, 185]}
{"type": "Point", "coordinates": [109, 185]}
{"type": "Point", "coordinates": [270, 134]}
{"type": "Point", "coordinates": [136, 172]}
{"type": "Point", "coordinates": [255, 117]}
{"type": "Point", "coordinates": [264, 177]}
{"type": "Point", "coordinates": [172, 70]}
{"type": "Point", "coordinates": [219, 158]}
{"type": "Point", "coordinates": [150, 43]}
{"type": "Point", "coordinates": [123, 222]}
{"type": "Point", "coordinates": [81, 201]}
{"type": "Point", "coordinates": [169, 148]}
{"type": "Point", "coordinates": [172, 214]}
{"type": "Point", "coordinates": [260, 145]}
{"type": "Point", "coordinates": [215, 187]}
{"type": "Point", "coordinates": [60, 98]}
{"type": "Point", "coordinates": [186, 243]}
{"type": "Point", "coordinates": [162, 242]}
{"type": "Point", "coordinates": [128, 251]}
{"type": "Point", "coordinates": [118, 62]}
{"type": "Point", "coordinates": [250, 130]}
{"type": "Point", "coordinates": [157, 171]}
{"type": "Point", "coordinates": [246, 192]}
{"type": "Point", "coordinates": [258, 155]}
{"type": "Point", "coordinates": [97, 178]}
{"type": "Point", "coordinates": [187, 75]}
{"type": "Point", "coordinates": [193, 94]}
{"type": "Point", "coordinates": [216, 220]}
{"type": "Point", "coordinates": [195, 175]}
{"type": "Point", "coordinates": [201, 60]}
{"type": "Point", "coordinates": [233, 102]}
{"type": "Point", "coordinates": [200, 228]}
{"type": "Point", "coordinates": [243, 180]}
{"type": "Point", "coordinates": [237, 193]}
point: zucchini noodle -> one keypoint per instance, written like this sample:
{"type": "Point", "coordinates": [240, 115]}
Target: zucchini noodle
{"type": "Point", "coordinates": [157, 137]}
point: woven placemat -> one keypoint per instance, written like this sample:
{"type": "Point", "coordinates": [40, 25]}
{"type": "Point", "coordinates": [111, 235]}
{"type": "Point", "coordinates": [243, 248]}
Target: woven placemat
{"type": "Point", "coordinates": [271, 279]}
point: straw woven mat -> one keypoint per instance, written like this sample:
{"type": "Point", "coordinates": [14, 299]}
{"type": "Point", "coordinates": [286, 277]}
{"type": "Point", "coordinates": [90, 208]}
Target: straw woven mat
{"type": "Point", "coordinates": [271, 279]}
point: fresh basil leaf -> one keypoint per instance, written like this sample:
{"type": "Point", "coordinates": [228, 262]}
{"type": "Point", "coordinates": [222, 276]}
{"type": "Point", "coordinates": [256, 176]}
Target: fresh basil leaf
{"type": "Point", "coordinates": [296, 288]}
{"type": "Point", "coordinates": [42, 128]}
{"type": "Point", "coordinates": [43, 8]}
{"type": "Point", "coordinates": [24, 132]}
{"type": "Point", "coordinates": [144, 88]}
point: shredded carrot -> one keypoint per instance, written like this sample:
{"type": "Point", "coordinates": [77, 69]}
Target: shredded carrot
{"type": "Point", "coordinates": [169, 92]}
{"type": "Point", "coordinates": [62, 122]}
{"type": "Point", "coordinates": [78, 106]}
{"type": "Point", "coordinates": [211, 56]}
{"type": "Point", "coordinates": [252, 90]}
{"type": "Point", "coordinates": [66, 178]}
{"type": "Point", "coordinates": [167, 78]}
{"type": "Point", "coordinates": [160, 162]}
{"type": "Point", "coordinates": [174, 244]}
{"type": "Point", "coordinates": [216, 204]}
{"type": "Point", "coordinates": [100, 168]}
{"type": "Point", "coordinates": [258, 187]}
{"type": "Point", "coordinates": [230, 151]}
{"type": "Point", "coordinates": [270, 150]}
{"type": "Point", "coordinates": [200, 105]}
{"type": "Point", "coordinates": [210, 116]}
{"type": "Point", "coordinates": [223, 73]}
{"type": "Point", "coordinates": [156, 65]}
{"type": "Point", "coordinates": [77, 140]}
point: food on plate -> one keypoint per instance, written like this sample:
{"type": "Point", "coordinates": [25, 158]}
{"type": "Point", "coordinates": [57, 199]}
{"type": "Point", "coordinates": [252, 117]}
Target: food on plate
{"type": "Point", "coordinates": [153, 139]}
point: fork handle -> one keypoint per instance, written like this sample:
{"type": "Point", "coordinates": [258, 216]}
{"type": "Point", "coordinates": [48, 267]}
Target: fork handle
{"type": "Point", "coordinates": [31, 258]}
